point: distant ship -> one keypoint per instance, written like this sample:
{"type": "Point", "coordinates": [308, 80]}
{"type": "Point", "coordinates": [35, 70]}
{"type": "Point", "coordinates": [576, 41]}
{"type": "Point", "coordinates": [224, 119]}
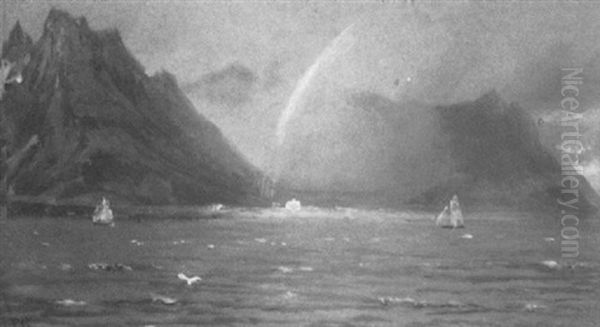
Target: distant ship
{"type": "Point", "coordinates": [293, 205]}
{"type": "Point", "coordinates": [451, 216]}
{"type": "Point", "coordinates": [103, 215]}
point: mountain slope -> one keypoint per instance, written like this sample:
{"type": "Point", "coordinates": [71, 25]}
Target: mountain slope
{"type": "Point", "coordinates": [363, 145]}
{"type": "Point", "coordinates": [108, 128]}
{"type": "Point", "coordinates": [499, 159]}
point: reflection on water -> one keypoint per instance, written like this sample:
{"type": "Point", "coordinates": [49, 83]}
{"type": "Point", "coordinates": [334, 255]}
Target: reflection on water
{"type": "Point", "coordinates": [370, 268]}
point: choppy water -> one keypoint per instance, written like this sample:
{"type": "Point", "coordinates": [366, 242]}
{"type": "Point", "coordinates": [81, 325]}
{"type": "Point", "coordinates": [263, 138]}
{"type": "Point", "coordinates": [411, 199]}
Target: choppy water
{"type": "Point", "coordinates": [369, 269]}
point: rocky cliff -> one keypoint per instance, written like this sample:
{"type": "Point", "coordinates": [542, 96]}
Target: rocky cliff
{"type": "Point", "coordinates": [498, 159]}
{"type": "Point", "coordinates": [107, 128]}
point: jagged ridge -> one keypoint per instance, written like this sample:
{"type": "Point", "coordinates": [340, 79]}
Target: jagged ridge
{"type": "Point", "coordinates": [106, 127]}
{"type": "Point", "coordinates": [499, 159]}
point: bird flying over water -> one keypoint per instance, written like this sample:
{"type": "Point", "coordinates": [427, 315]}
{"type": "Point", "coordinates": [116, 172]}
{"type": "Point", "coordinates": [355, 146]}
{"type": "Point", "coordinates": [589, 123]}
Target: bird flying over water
{"type": "Point", "coordinates": [189, 280]}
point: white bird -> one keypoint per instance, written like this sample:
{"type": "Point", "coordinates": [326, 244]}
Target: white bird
{"type": "Point", "coordinates": [285, 270]}
{"type": "Point", "coordinates": [530, 307]}
{"type": "Point", "coordinates": [162, 299]}
{"type": "Point", "coordinates": [70, 302]}
{"type": "Point", "coordinates": [189, 280]}
{"type": "Point", "coordinates": [551, 264]}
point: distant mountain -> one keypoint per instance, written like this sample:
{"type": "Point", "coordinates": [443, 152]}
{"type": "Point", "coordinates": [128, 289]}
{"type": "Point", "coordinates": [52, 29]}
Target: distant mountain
{"type": "Point", "coordinates": [551, 130]}
{"type": "Point", "coordinates": [499, 159]}
{"type": "Point", "coordinates": [106, 128]}
{"type": "Point", "coordinates": [231, 86]}
{"type": "Point", "coordinates": [361, 142]}
{"type": "Point", "coordinates": [18, 44]}
{"type": "Point", "coordinates": [487, 151]}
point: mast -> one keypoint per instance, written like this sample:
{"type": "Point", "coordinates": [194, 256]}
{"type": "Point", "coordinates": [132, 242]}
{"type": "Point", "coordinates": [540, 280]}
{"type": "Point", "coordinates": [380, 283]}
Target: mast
{"type": "Point", "coordinates": [3, 20]}
{"type": "Point", "coordinates": [3, 194]}
{"type": "Point", "coordinates": [3, 146]}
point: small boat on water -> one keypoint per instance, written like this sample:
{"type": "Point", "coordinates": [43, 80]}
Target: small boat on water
{"type": "Point", "coordinates": [451, 216]}
{"type": "Point", "coordinates": [293, 205]}
{"type": "Point", "coordinates": [103, 215]}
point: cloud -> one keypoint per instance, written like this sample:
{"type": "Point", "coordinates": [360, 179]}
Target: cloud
{"type": "Point", "coordinates": [231, 86]}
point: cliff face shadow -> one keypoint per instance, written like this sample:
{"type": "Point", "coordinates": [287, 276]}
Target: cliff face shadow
{"type": "Point", "coordinates": [107, 128]}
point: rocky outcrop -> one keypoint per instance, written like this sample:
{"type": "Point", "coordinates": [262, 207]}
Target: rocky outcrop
{"type": "Point", "coordinates": [18, 44]}
{"type": "Point", "coordinates": [107, 128]}
{"type": "Point", "coordinates": [499, 160]}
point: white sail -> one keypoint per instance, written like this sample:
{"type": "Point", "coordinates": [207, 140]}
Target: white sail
{"type": "Point", "coordinates": [103, 215]}
{"type": "Point", "coordinates": [443, 219]}
{"type": "Point", "coordinates": [451, 216]}
{"type": "Point", "coordinates": [456, 217]}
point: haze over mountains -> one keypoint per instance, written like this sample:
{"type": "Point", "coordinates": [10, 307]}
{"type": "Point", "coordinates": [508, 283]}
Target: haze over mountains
{"type": "Point", "coordinates": [487, 150]}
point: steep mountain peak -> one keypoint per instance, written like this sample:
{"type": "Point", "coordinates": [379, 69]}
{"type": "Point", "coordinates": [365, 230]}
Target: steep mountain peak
{"type": "Point", "coordinates": [489, 102]}
{"type": "Point", "coordinates": [17, 36]}
{"type": "Point", "coordinates": [492, 97]}
{"type": "Point", "coordinates": [65, 34]}
{"type": "Point", "coordinates": [17, 44]}
{"type": "Point", "coordinates": [105, 127]}
{"type": "Point", "coordinates": [58, 20]}
{"type": "Point", "coordinates": [70, 53]}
